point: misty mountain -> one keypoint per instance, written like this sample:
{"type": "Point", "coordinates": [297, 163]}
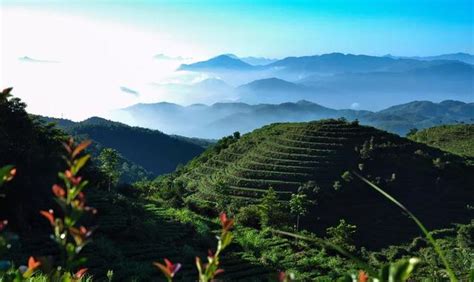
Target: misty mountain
{"type": "Point", "coordinates": [347, 63]}
{"type": "Point", "coordinates": [462, 57]}
{"type": "Point", "coordinates": [273, 90]}
{"type": "Point", "coordinates": [222, 119]}
{"type": "Point", "coordinates": [341, 80]}
{"type": "Point", "coordinates": [448, 109]}
{"type": "Point", "coordinates": [169, 58]}
{"type": "Point", "coordinates": [271, 84]}
{"type": "Point", "coordinates": [372, 90]}
{"type": "Point", "coordinates": [375, 90]}
{"type": "Point", "coordinates": [27, 59]}
{"type": "Point", "coordinates": [318, 64]}
{"type": "Point", "coordinates": [221, 63]}
{"type": "Point", "coordinates": [255, 61]}
{"type": "Point", "coordinates": [212, 84]}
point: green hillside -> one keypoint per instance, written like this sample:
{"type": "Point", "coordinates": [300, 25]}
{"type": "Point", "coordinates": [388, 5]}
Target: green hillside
{"type": "Point", "coordinates": [434, 184]}
{"type": "Point", "coordinates": [130, 231]}
{"type": "Point", "coordinates": [174, 216]}
{"type": "Point", "coordinates": [152, 150]}
{"type": "Point", "coordinates": [457, 139]}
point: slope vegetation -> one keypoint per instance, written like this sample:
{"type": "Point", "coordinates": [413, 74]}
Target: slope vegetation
{"type": "Point", "coordinates": [457, 139]}
{"type": "Point", "coordinates": [153, 150]}
{"type": "Point", "coordinates": [288, 155]}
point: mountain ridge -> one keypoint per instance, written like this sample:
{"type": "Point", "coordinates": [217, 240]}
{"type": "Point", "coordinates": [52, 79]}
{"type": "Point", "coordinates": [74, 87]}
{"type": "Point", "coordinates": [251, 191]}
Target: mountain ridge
{"type": "Point", "coordinates": [213, 121]}
{"type": "Point", "coordinates": [157, 152]}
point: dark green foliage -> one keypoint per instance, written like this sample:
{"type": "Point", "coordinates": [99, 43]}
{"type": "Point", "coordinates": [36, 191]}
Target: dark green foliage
{"type": "Point", "coordinates": [109, 166]}
{"type": "Point", "coordinates": [465, 236]}
{"type": "Point", "coordinates": [151, 149]}
{"type": "Point", "coordinates": [35, 150]}
{"type": "Point", "coordinates": [451, 242]}
{"type": "Point", "coordinates": [342, 235]}
{"type": "Point", "coordinates": [250, 216]}
{"type": "Point", "coordinates": [273, 212]}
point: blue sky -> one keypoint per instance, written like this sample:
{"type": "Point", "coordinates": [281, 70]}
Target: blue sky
{"type": "Point", "coordinates": [282, 28]}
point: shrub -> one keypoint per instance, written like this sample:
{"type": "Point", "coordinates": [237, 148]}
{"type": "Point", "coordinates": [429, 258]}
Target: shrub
{"type": "Point", "coordinates": [249, 216]}
{"type": "Point", "coordinates": [341, 235]}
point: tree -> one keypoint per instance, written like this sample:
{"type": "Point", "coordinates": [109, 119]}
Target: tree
{"type": "Point", "coordinates": [110, 160]}
{"type": "Point", "coordinates": [272, 210]}
{"type": "Point", "coordinates": [298, 206]}
{"type": "Point", "coordinates": [35, 149]}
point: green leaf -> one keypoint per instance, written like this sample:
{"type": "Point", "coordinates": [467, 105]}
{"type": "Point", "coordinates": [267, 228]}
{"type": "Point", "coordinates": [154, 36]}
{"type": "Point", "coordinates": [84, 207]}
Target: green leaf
{"type": "Point", "coordinates": [5, 173]}
{"type": "Point", "coordinates": [384, 273]}
{"type": "Point", "coordinates": [226, 239]}
{"type": "Point", "coordinates": [401, 270]}
{"type": "Point", "coordinates": [79, 163]}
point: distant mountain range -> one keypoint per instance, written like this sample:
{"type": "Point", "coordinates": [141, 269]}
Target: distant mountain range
{"type": "Point", "coordinates": [222, 119]}
{"type": "Point", "coordinates": [462, 57]}
{"type": "Point", "coordinates": [255, 61]}
{"type": "Point", "coordinates": [340, 80]}
{"type": "Point", "coordinates": [327, 63]}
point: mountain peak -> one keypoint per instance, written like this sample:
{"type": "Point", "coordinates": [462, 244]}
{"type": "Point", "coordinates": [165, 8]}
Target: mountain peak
{"type": "Point", "coordinates": [221, 62]}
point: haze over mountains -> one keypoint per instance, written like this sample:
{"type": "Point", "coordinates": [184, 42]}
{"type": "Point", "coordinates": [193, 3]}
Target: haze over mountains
{"type": "Point", "coordinates": [341, 80]}
{"type": "Point", "coordinates": [462, 57]}
{"type": "Point", "coordinates": [222, 119]}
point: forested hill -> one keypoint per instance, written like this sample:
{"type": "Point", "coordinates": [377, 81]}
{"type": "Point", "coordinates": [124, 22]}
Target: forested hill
{"type": "Point", "coordinates": [238, 172]}
{"type": "Point", "coordinates": [153, 150]}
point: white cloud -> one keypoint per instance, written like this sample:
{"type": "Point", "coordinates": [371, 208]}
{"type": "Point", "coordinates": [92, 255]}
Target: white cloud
{"type": "Point", "coordinates": [355, 105]}
{"type": "Point", "coordinates": [95, 58]}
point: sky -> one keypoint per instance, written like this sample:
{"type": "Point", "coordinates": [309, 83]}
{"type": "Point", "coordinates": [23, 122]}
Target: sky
{"type": "Point", "coordinates": [108, 46]}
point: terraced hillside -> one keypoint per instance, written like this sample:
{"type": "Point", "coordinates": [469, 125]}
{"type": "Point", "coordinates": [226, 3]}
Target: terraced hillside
{"type": "Point", "coordinates": [285, 156]}
{"type": "Point", "coordinates": [456, 138]}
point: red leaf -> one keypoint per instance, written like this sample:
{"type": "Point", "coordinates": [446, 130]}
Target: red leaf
{"type": "Point", "coordinates": [33, 263]}
{"type": "Point", "coordinates": [80, 273]}
{"type": "Point", "coordinates": [80, 148]}
{"type": "Point", "coordinates": [219, 271]}
{"type": "Point", "coordinates": [49, 216]}
{"type": "Point", "coordinates": [363, 277]}
{"type": "Point", "coordinates": [226, 223]}
{"type": "Point", "coordinates": [58, 191]}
